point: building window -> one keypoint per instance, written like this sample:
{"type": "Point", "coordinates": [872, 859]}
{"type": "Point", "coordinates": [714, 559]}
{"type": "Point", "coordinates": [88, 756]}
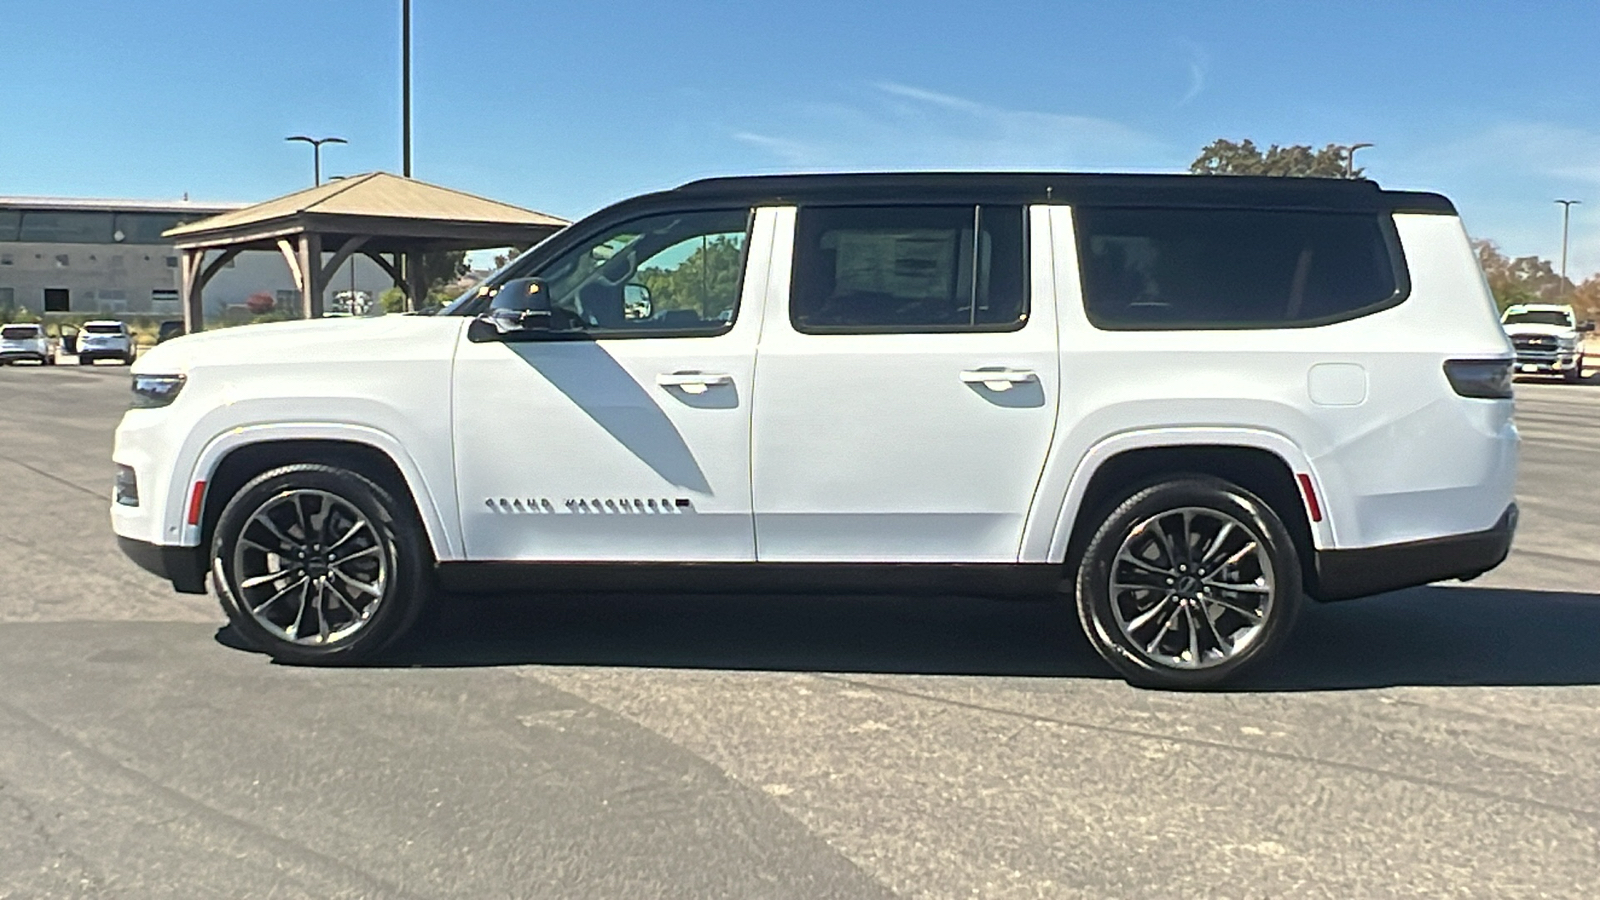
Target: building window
{"type": "Point", "coordinates": [66, 227]}
{"type": "Point", "coordinates": [63, 260]}
{"type": "Point", "coordinates": [57, 300]}
{"type": "Point", "coordinates": [287, 298]}
{"type": "Point", "coordinates": [172, 262]}
{"type": "Point", "coordinates": [5, 259]}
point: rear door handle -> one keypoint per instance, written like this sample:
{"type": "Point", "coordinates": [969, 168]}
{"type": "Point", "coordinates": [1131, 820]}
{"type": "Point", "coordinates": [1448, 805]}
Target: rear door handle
{"type": "Point", "coordinates": [693, 382]}
{"type": "Point", "coordinates": [998, 379]}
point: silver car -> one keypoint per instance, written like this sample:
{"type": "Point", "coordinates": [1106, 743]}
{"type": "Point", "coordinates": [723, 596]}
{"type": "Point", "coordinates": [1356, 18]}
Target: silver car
{"type": "Point", "coordinates": [26, 341]}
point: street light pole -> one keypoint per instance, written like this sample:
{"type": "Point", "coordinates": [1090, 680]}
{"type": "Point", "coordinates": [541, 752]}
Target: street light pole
{"type": "Point", "coordinates": [316, 151]}
{"type": "Point", "coordinates": [405, 88]}
{"type": "Point", "coordinates": [1566, 217]}
{"type": "Point", "coordinates": [1350, 159]}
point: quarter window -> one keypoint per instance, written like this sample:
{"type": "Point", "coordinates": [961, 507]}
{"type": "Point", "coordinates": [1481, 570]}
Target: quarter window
{"type": "Point", "coordinates": [1172, 269]}
{"type": "Point", "coordinates": [677, 274]}
{"type": "Point", "coordinates": [908, 269]}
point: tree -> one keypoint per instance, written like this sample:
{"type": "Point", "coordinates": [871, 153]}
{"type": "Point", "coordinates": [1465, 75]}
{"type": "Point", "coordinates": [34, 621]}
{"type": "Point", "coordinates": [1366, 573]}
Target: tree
{"type": "Point", "coordinates": [1224, 157]}
{"type": "Point", "coordinates": [706, 281]}
{"type": "Point", "coordinates": [1525, 279]}
{"type": "Point", "coordinates": [440, 270]}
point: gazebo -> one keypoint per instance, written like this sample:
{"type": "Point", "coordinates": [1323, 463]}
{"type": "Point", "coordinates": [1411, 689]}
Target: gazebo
{"type": "Point", "coordinates": [372, 214]}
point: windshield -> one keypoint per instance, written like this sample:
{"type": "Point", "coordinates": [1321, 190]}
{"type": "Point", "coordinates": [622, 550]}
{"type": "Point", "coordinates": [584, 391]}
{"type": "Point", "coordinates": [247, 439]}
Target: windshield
{"type": "Point", "coordinates": [1539, 317]}
{"type": "Point", "coordinates": [19, 332]}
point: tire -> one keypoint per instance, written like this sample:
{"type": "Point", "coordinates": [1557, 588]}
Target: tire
{"type": "Point", "coordinates": [1574, 374]}
{"type": "Point", "coordinates": [1187, 629]}
{"type": "Point", "coordinates": [329, 609]}
{"type": "Point", "coordinates": [49, 360]}
{"type": "Point", "coordinates": [83, 361]}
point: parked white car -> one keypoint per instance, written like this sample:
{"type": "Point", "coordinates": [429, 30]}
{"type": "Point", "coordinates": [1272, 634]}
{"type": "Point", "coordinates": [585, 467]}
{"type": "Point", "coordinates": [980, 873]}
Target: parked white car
{"type": "Point", "coordinates": [26, 341]}
{"type": "Point", "coordinates": [1181, 403]}
{"type": "Point", "coordinates": [108, 339]}
{"type": "Point", "coordinates": [1548, 339]}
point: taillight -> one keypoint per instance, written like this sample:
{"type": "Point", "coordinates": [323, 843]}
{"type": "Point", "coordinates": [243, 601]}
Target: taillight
{"type": "Point", "coordinates": [1486, 379]}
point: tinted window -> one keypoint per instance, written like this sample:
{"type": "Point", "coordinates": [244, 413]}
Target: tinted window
{"type": "Point", "coordinates": [678, 273]}
{"type": "Point", "coordinates": [146, 228]}
{"type": "Point", "coordinates": [10, 222]}
{"type": "Point", "coordinates": [908, 269]}
{"type": "Point", "coordinates": [1540, 317]}
{"type": "Point", "coordinates": [19, 332]}
{"type": "Point", "coordinates": [103, 329]}
{"type": "Point", "coordinates": [67, 227]}
{"type": "Point", "coordinates": [1153, 268]}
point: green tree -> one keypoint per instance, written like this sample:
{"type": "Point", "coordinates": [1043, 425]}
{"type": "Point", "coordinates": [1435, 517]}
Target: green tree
{"type": "Point", "coordinates": [1525, 279]}
{"type": "Point", "coordinates": [1225, 157]}
{"type": "Point", "coordinates": [706, 281]}
{"type": "Point", "coordinates": [441, 269]}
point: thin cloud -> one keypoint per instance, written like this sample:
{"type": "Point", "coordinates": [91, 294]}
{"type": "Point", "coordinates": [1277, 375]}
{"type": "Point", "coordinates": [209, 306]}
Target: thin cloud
{"type": "Point", "coordinates": [894, 125]}
{"type": "Point", "coordinates": [1199, 65]}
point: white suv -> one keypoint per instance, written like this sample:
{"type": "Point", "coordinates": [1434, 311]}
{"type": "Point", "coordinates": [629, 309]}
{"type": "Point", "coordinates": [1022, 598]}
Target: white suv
{"type": "Point", "coordinates": [26, 341]}
{"type": "Point", "coordinates": [1548, 339]}
{"type": "Point", "coordinates": [1184, 403]}
{"type": "Point", "coordinates": [107, 339]}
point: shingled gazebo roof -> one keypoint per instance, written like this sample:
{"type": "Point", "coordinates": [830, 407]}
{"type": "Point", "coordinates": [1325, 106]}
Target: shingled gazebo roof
{"type": "Point", "coordinates": [395, 214]}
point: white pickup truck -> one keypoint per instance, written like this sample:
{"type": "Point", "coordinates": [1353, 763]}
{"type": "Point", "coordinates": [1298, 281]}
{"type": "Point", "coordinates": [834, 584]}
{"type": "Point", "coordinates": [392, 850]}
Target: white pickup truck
{"type": "Point", "coordinates": [1548, 339]}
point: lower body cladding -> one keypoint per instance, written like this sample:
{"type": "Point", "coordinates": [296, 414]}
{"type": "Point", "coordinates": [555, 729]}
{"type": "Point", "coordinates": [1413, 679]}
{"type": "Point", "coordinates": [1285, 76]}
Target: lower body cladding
{"type": "Point", "coordinates": [1334, 575]}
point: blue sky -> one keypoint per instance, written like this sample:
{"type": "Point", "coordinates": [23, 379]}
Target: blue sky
{"type": "Point", "coordinates": [566, 106]}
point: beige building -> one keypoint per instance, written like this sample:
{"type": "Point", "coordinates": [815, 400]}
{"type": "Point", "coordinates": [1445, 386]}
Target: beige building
{"type": "Point", "coordinates": [107, 257]}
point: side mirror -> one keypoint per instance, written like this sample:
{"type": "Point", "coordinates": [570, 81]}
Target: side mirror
{"type": "Point", "coordinates": [520, 307]}
{"type": "Point", "coordinates": [1586, 327]}
{"type": "Point", "coordinates": [636, 303]}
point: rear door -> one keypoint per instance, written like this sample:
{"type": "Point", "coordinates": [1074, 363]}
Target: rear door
{"type": "Point", "coordinates": [906, 384]}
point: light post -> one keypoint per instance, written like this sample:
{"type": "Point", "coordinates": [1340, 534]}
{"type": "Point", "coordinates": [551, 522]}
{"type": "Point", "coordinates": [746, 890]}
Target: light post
{"type": "Point", "coordinates": [1566, 216]}
{"type": "Point", "coordinates": [405, 88]}
{"type": "Point", "coordinates": [316, 151]}
{"type": "Point", "coordinates": [1350, 159]}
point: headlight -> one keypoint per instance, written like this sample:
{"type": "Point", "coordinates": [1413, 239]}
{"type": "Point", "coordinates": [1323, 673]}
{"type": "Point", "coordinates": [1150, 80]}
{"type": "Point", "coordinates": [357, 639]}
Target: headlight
{"type": "Point", "coordinates": [155, 390]}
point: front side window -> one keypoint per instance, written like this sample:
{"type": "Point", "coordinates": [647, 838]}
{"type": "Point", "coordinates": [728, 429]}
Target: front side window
{"type": "Point", "coordinates": [1230, 268]}
{"type": "Point", "coordinates": [908, 269]}
{"type": "Point", "coordinates": [673, 274]}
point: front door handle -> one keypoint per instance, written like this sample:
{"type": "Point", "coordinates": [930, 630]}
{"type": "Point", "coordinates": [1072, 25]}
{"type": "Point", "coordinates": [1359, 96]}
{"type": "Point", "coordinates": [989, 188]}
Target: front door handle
{"type": "Point", "coordinates": [693, 382]}
{"type": "Point", "coordinates": [998, 379]}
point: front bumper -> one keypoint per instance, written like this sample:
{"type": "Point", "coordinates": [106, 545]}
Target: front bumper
{"type": "Point", "coordinates": [185, 567]}
{"type": "Point", "coordinates": [1346, 574]}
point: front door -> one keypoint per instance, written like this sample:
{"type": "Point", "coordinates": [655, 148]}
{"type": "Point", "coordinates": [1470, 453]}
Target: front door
{"type": "Point", "coordinates": [623, 434]}
{"type": "Point", "coordinates": [906, 385]}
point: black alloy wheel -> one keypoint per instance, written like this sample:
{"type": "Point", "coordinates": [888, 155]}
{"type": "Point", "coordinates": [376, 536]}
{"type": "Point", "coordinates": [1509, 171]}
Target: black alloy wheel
{"type": "Point", "coordinates": [1187, 582]}
{"type": "Point", "coordinates": [319, 565]}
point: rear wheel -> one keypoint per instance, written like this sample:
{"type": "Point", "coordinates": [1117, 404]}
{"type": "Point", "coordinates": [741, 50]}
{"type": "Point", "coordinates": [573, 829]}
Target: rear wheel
{"type": "Point", "coordinates": [1187, 582]}
{"type": "Point", "coordinates": [319, 565]}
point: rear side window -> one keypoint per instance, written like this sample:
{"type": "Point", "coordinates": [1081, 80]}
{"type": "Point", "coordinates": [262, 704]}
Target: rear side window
{"type": "Point", "coordinates": [908, 269]}
{"type": "Point", "coordinates": [1192, 268]}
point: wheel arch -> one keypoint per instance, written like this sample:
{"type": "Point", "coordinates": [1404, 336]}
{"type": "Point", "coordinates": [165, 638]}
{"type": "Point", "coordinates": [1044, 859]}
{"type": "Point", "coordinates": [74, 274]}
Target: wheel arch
{"type": "Point", "coordinates": [232, 459]}
{"type": "Point", "coordinates": [1264, 464]}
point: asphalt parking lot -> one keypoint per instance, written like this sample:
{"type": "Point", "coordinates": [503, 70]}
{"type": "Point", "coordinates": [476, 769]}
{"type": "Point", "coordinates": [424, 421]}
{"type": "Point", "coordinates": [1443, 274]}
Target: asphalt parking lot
{"type": "Point", "coordinates": [1442, 741]}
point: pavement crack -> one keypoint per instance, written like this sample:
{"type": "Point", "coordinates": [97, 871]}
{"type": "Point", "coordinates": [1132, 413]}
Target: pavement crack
{"type": "Point", "coordinates": [258, 834]}
{"type": "Point", "coordinates": [1582, 813]}
{"type": "Point", "coordinates": [98, 495]}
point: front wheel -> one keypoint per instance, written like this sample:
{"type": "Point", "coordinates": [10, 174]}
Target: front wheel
{"type": "Point", "coordinates": [1187, 582]}
{"type": "Point", "coordinates": [1574, 374]}
{"type": "Point", "coordinates": [319, 565]}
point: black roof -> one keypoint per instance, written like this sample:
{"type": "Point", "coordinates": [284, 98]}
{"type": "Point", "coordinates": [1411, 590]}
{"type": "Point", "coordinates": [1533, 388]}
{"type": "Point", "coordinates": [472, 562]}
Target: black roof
{"type": "Point", "coordinates": [1078, 188]}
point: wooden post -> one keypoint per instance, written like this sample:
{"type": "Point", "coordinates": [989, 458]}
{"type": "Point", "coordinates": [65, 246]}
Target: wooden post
{"type": "Point", "coordinates": [310, 265]}
{"type": "Point", "coordinates": [190, 290]}
{"type": "Point", "coordinates": [416, 290]}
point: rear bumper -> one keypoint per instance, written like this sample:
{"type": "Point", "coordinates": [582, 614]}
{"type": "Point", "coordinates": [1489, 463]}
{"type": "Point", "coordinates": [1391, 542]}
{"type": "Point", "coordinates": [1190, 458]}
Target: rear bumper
{"type": "Point", "coordinates": [183, 566]}
{"type": "Point", "coordinates": [11, 355]}
{"type": "Point", "coordinates": [1345, 574]}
